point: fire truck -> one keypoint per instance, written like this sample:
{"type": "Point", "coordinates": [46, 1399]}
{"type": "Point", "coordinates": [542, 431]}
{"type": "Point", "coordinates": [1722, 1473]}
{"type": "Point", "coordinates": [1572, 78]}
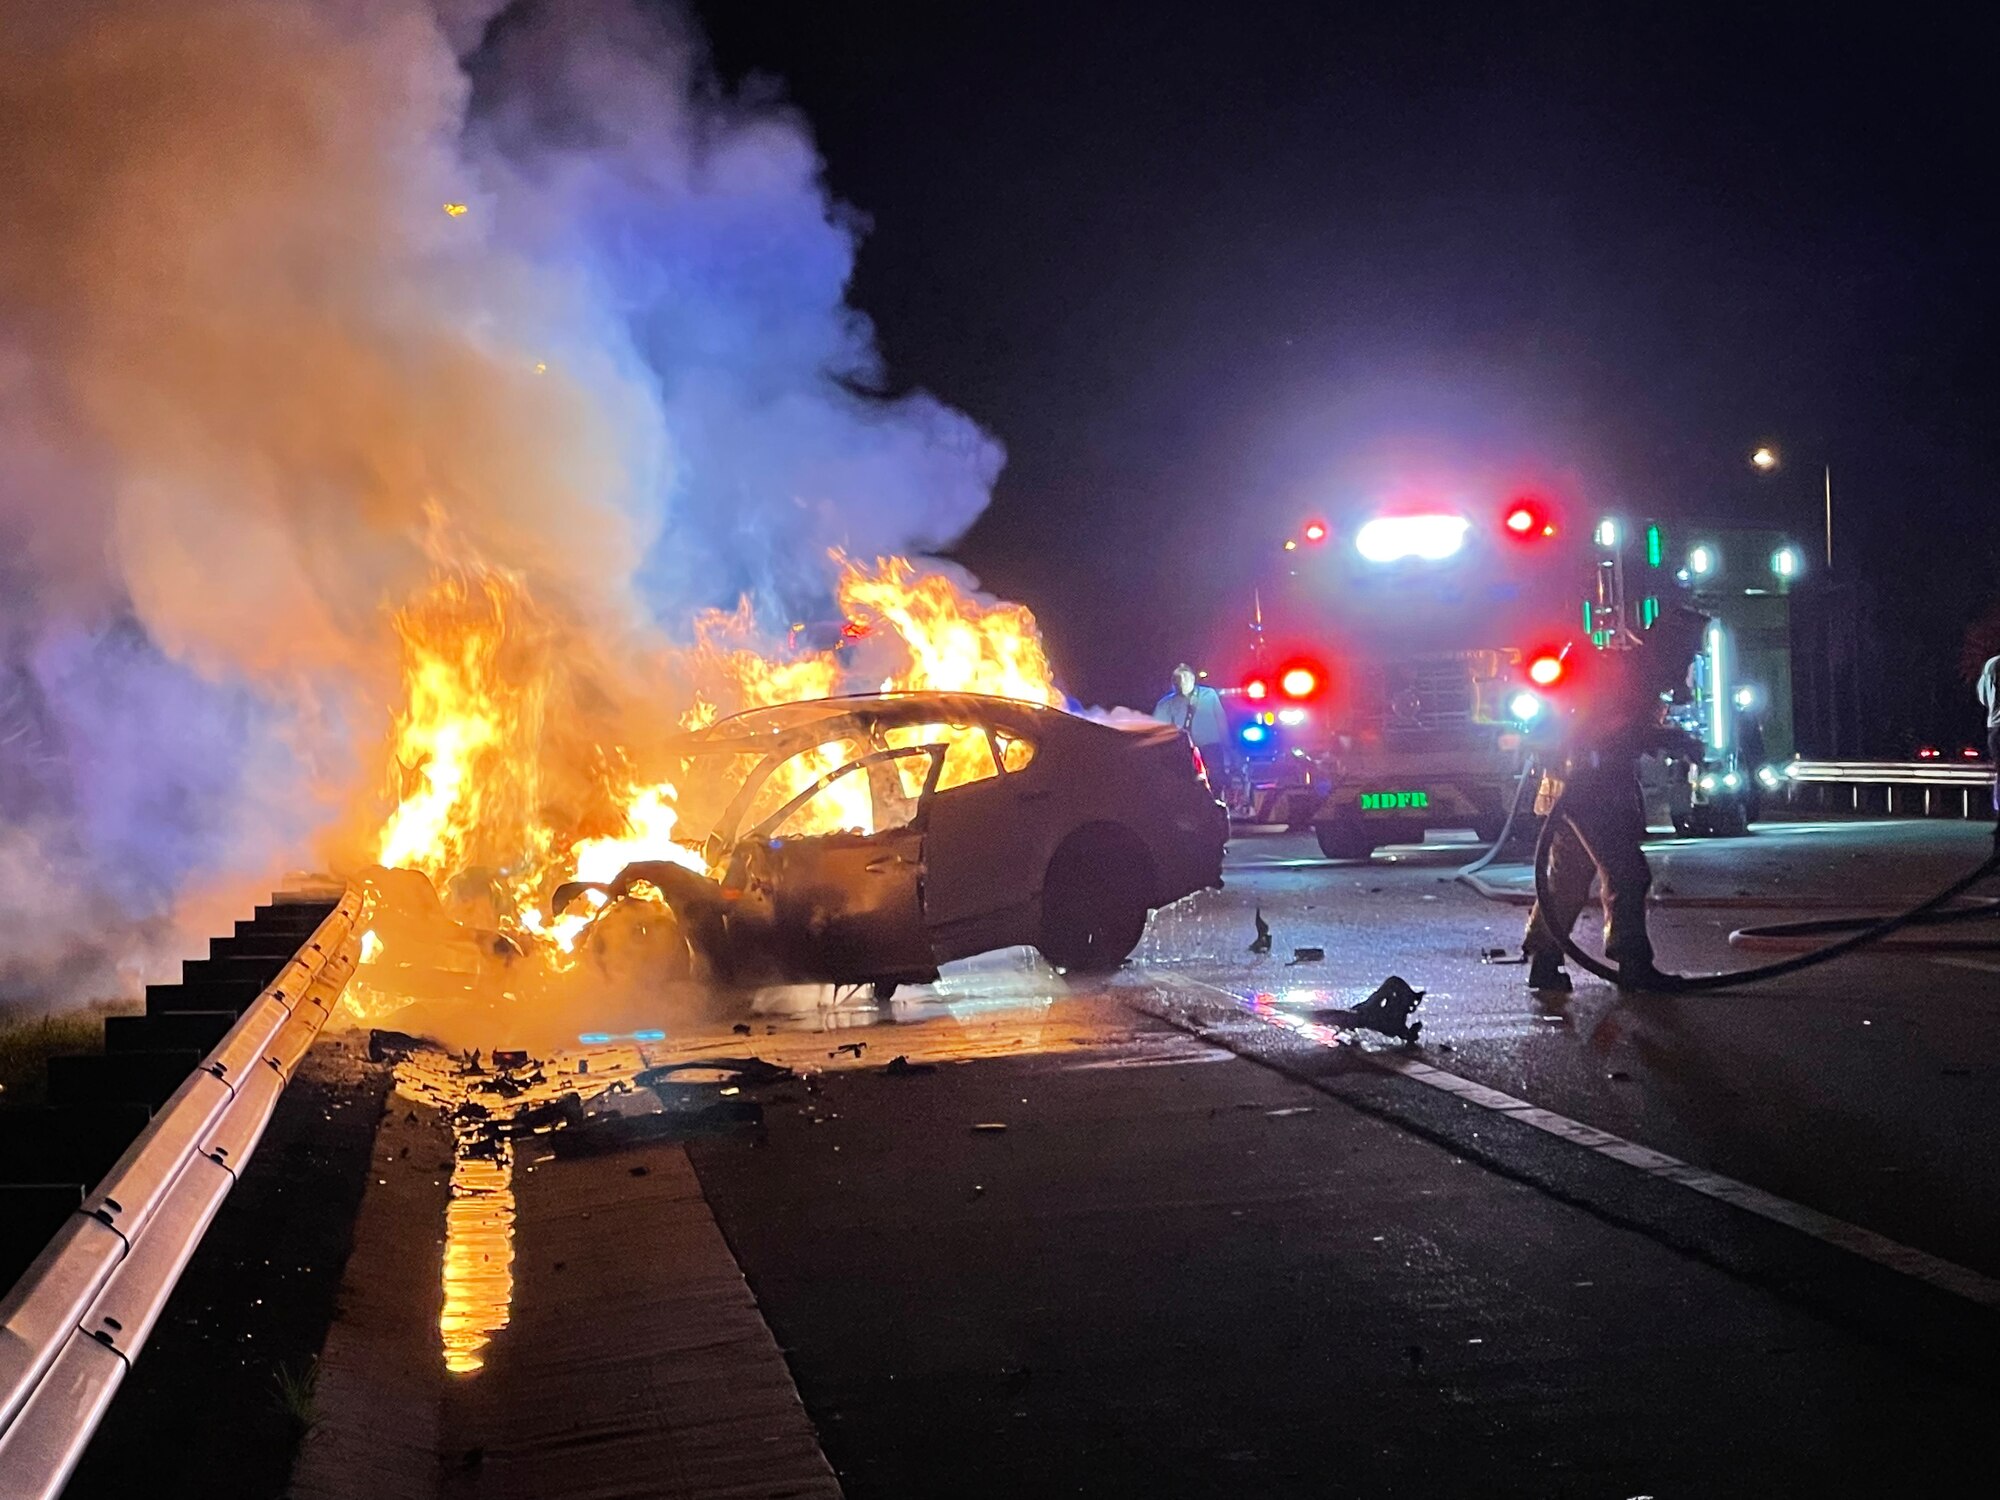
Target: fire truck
{"type": "Point", "coordinates": [1403, 657]}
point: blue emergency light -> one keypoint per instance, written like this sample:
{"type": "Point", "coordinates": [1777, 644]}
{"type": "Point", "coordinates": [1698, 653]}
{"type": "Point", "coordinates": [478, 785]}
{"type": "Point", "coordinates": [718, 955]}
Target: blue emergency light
{"type": "Point", "coordinates": [1254, 734]}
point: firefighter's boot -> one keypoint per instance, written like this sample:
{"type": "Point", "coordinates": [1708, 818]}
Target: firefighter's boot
{"type": "Point", "coordinates": [1545, 972]}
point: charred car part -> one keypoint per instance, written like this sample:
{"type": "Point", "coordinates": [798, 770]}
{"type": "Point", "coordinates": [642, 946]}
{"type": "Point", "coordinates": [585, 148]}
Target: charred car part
{"type": "Point", "coordinates": [941, 826]}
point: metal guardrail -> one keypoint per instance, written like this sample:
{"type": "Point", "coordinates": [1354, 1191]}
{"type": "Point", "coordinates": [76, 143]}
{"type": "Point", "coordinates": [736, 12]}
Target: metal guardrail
{"type": "Point", "coordinates": [1962, 780]}
{"type": "Point", "coordinates": [73, 1324]}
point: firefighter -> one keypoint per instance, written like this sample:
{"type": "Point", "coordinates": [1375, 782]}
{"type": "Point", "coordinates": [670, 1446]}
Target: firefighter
{"type": "Point", "coordinates": [1989, 699]}
{"type": "Point", "coordinates": [1595, 772]}
{"type": "Point", "coordinates": [1196, 710]}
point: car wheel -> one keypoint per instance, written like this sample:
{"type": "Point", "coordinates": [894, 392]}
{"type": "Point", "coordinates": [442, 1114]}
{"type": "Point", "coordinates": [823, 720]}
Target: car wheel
{"type": "Point", "coordinates": [1095, 900]}
{"type": "Point", "coordinates": [1344, 838]}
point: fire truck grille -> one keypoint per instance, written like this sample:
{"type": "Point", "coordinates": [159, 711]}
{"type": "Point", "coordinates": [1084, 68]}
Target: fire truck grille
{"type": "Point", "coordinates": [1424, 701]}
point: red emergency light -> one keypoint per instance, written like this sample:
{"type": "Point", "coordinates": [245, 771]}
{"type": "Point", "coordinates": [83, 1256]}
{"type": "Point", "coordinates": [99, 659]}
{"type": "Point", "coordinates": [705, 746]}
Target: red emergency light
{"type": "Point", "coordinates": [1300, 680]}
{"type": "Point", "coordinates": [1527, 519]}
{"type": "Point", "coordinates": [1256, 690]}
{"type": "Point", "coordinates": [1546, 669]}
{"type": "Point", "coordinates": [1315, 531]}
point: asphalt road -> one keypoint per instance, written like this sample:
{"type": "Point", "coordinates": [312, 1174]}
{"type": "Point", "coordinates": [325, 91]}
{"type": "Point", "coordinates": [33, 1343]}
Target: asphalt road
{"type": "Point", "coordinates": [1866, 1088]}
{"type": "Point", "coordinates": [1175, 1232]}
{"type": "Point", "coordinates": [1166, 1235]}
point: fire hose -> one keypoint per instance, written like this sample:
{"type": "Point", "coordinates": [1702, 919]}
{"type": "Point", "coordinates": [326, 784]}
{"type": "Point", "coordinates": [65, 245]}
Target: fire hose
{"type": "Point", "coordinates": [1861, 931]}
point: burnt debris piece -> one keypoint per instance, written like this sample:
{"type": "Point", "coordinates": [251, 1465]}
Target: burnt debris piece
{"type": "Point", "coordinates": [1261, 943]}
{"type": "Point", "coordinates": [1387, 1011]}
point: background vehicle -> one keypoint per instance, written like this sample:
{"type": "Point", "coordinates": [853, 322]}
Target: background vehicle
{"type": "Point", "coordinates": [1400, 653]}
{"type": "Point", "coordinates": [1405, 650]}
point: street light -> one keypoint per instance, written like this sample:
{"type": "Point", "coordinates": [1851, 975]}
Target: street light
{"type": "Point", "coordinates": [1765, 460]}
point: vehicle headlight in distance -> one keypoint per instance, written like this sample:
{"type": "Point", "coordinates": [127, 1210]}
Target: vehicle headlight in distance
{"type": "Point", "coordinates": [1524, 706]}
{"type": "Point", "coordinates": [1769, 776]}
{"type": "Point", "coordinates": [1708, 782]}
{"type": "Point", "coordinates": [1731, 780]}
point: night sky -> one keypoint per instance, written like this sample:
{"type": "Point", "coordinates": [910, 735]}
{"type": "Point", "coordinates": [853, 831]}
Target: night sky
{"type": "Point", "coordinates": [1178, 257]}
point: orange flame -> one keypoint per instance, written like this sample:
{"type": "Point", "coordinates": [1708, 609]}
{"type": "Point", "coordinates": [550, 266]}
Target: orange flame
{"type": "Point", "coordinates": [503, 788]}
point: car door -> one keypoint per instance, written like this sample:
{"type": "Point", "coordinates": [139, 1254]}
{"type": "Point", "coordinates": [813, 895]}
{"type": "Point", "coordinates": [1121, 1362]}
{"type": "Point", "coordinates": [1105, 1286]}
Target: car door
{"type": "Point", "coordinates": [990, 838]}
{"type": "Point", "coordinates": [838, 907]}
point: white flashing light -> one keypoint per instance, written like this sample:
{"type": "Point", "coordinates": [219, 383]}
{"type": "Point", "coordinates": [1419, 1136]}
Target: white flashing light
{"type": "Point", "coordinates": [1786, 562]}
{"type": "Point", "coordinates": [1718, 721]}
{"type": "Point", "coordinates": [1745, 698]}
{"type": "Point", "coordinates": [1524, 706]}
{"type": "Point", "coordinates": [1388, 539]}
{"type": "Point", "coordinates": [1607, 532]}
{"type": "Point", "coordinates": [1701, 560]}
{"type": "Point", "coordinates": [1291, 718]}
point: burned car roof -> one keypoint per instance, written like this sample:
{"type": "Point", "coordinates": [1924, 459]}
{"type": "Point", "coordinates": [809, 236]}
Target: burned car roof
{"type": "Point", "coordinates": [763, 731]}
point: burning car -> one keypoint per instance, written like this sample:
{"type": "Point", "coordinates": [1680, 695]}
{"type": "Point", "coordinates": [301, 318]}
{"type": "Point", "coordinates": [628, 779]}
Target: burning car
{"type": "Point", "coordinates": [867, 840]}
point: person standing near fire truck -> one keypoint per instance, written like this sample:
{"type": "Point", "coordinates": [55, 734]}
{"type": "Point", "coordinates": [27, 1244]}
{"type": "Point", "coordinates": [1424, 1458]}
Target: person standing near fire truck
{"type": "Point", "coordinates": [1595, 773]}
{"type": "Point", "coordinates": [1989, 699]}
{"type": "Point", "coordinates": [1196, 710]}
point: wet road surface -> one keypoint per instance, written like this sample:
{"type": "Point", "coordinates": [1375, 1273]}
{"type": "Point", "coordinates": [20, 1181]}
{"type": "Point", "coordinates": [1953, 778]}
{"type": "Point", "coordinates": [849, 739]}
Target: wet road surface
{"type": "Point", "coordinates": [1175, 1272]}
{"type": "Point", "coordinates": [1865, 1088]}
{"type": "Point", "coordinates": [1164, 1233]}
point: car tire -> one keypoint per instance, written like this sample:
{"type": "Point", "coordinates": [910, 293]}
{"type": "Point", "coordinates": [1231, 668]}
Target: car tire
{"type": "Point", "coordinates": [1095, 900]}
{"type": "Point", "coordinates": [1344, 838]}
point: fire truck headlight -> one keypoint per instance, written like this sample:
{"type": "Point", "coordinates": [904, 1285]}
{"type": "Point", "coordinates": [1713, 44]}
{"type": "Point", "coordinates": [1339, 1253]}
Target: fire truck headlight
{"type": "Point", "coordinates": [1254, 734]}
{"type": "Point", "coordinates": [1524, 706]}
{"type": "Point", "coordinates": [1388, 539]}
{"type": "Point", "coordinates": [1731, 780]}
{"type": "Point", "coordinates": [1291, 717]}
{"type": "Point", "coordinates": [1708, 782]}
{"type": "Point", "coordinates": [1769, 776]}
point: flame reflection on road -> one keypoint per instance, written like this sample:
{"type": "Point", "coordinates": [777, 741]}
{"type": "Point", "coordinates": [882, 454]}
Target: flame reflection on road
{"type": "Point", "coordinates": [478, 1258]}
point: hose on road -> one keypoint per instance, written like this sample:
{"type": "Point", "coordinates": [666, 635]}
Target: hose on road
{"type": "Point", "coordinates": [1925, 912]}
{"type": "Point", "coordinates": [1521, 784]}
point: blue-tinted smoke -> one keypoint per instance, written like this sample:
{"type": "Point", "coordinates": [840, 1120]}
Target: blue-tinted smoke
{"type": "Point", "coordinates": [251, 372]}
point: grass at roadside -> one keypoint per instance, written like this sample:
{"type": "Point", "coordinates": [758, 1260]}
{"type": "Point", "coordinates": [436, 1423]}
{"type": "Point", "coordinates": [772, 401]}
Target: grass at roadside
{"type": "Point", "coordinates": [27, 1042]}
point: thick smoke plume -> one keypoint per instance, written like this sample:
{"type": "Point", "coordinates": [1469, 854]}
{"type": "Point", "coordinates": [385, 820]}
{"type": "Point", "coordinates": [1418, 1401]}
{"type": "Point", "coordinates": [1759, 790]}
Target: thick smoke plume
{"type": "Point", "coordinates": [295, 297]}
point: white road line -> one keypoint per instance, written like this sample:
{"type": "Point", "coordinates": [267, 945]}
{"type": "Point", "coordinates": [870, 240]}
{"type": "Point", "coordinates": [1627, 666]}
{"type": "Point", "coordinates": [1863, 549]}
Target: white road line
{"type": "Point", "coordinates": [1968, 963]}
{"type": "Point", "coordinates": [1946, 1275]}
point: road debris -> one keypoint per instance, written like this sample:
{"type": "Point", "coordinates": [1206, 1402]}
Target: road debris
{"type": "Point", "coordinates": [900, 1066]}
{"type": "Point", "coordinates": [1387, 1011]}
{"type": "Point", "coordinates": [1307, 956]}
{"type": "Point", "coordinates": [1261, 943]}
